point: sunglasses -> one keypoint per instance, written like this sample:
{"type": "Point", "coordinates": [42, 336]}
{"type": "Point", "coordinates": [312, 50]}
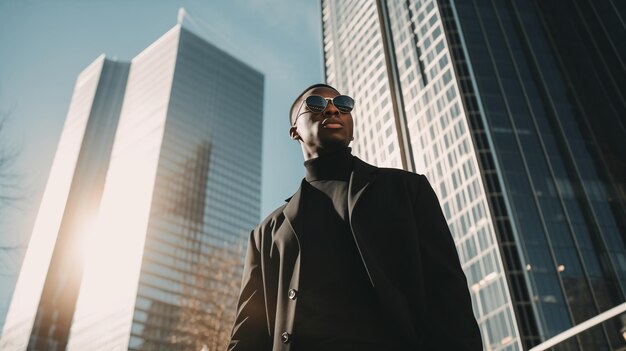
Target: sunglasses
{"type": "Point", "coordinates": [317, 104]}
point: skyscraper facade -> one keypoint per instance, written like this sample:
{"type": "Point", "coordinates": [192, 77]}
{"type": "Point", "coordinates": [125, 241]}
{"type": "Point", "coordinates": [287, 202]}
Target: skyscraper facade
{"type": "Point", "coordinates": [515, 112]}
{"type": "Point", "coordinates": [183, 183]}
{"type": "Point", "coordinates": [45, 293]}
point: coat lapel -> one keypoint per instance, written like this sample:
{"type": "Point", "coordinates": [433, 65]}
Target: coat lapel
{"type": "Point", "coordinates": [293, 212]}
{"type": "Point", "coordinates": [363, 175]}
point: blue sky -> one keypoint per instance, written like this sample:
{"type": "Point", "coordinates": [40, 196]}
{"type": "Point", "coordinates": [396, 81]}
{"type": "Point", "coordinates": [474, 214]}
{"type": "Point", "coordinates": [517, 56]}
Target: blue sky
{"type": "Point", "coordinates": [44, 45]}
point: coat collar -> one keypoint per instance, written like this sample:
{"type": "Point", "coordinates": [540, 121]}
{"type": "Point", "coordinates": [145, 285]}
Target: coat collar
{"type": "Point", "coordinates": [362, 176]}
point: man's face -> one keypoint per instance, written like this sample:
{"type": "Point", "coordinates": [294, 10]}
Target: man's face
{"type": "Point", "coordinates": [328, 129]}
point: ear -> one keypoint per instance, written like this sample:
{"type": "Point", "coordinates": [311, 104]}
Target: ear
{"type": "Point", "coordinates": [293, 133]}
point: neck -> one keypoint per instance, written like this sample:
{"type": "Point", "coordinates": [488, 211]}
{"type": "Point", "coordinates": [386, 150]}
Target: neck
{"type": "Point", "coordinates": [310, 154]}
{"type": "Point", "coordinates": [331, 166]}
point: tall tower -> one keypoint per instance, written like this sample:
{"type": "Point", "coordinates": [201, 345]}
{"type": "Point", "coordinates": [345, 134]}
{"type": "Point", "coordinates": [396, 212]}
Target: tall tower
{"type": "Point", "coordinates": [45, 293]}
{"type": "Point", "coordinates": [515, 110]}
{"type": "Point", "coordinates": [182, 184]}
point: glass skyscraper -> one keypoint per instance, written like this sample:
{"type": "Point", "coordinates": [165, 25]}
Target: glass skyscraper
{"type": "Point", "coordinates": [45, 293]}
{"type": "Point", "coordinates": [183, 184]}
{"type": "Point", "coordinates": [515, 110]}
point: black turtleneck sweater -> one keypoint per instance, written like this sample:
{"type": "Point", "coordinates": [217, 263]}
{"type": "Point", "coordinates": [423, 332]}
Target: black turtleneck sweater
{"type": "Point", "coordinates": [337, 307]}
{"type": "Point", "coordinates": [331, 174]}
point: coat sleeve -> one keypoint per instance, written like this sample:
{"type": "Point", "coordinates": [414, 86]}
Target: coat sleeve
{"type": "Point", "coordinates": [448, 303]}
{"type": "Point", "coordinates": [250, 331]}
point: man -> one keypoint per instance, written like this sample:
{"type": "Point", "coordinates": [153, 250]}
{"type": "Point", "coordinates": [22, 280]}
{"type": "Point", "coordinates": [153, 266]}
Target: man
{"type": "Point", "coordinates": [359, 258]}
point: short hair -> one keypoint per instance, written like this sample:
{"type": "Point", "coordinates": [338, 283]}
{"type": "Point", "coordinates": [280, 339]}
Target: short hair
{"type": "Point", "coordinates": [295, 105]}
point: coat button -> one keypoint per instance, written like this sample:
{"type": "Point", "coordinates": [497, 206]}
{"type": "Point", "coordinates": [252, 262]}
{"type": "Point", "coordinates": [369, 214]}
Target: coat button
{"type": "Point", "coordinates": [285, 337]}
{"type": "Point", "coordinates": [293, 293]}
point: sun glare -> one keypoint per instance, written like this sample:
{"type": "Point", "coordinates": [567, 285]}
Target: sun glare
{"type": "Point", "coordinates": [113, 249]}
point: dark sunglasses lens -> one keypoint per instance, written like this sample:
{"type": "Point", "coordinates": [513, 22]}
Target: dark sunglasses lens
{"type": "Point", "coordinates": [343, 103]}
{"type": "Point", "coordinates": [316, 103]}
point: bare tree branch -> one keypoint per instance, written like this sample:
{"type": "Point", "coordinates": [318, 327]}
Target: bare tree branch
{"type": "Point", "coordinates": [207, 311]}
{"type": "Point", "coordinates": [9, 182]}
{"type": "Point", "coordinates": [10, 191]}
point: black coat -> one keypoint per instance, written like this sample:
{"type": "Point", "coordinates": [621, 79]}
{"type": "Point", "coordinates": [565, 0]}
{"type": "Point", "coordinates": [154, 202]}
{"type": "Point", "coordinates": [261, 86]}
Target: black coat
{"type": "Point", "coordinates": [406, 247]}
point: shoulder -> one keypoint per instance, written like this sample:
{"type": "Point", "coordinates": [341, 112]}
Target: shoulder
{"type": "Point", "coordinates": [409, 182]}
{"type": "Point", "coordinates": [277, 216]}
{"type": "Point", "coordinates": [267, 225]}
{"type": "Point", "coordinates": [396, 175]}
{"type": "Point", "coordinates": [391, 173]}
{"type": "Point", "coordinates": [412, 184]}
{"type": "Point", "coordinates": [399, 174]}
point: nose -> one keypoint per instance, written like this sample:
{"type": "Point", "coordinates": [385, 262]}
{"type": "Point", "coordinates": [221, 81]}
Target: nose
{"type": "Point", "coordinates": [330, 109]}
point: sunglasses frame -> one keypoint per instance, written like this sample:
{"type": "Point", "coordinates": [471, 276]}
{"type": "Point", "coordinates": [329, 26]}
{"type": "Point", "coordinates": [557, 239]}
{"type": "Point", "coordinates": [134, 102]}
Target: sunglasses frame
{"type": "Point", "coordinates": [326, 100]}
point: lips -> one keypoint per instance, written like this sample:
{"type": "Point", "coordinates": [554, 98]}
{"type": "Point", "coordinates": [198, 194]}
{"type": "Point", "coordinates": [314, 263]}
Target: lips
{"type": "Point", "coordinates": [332, 123]}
